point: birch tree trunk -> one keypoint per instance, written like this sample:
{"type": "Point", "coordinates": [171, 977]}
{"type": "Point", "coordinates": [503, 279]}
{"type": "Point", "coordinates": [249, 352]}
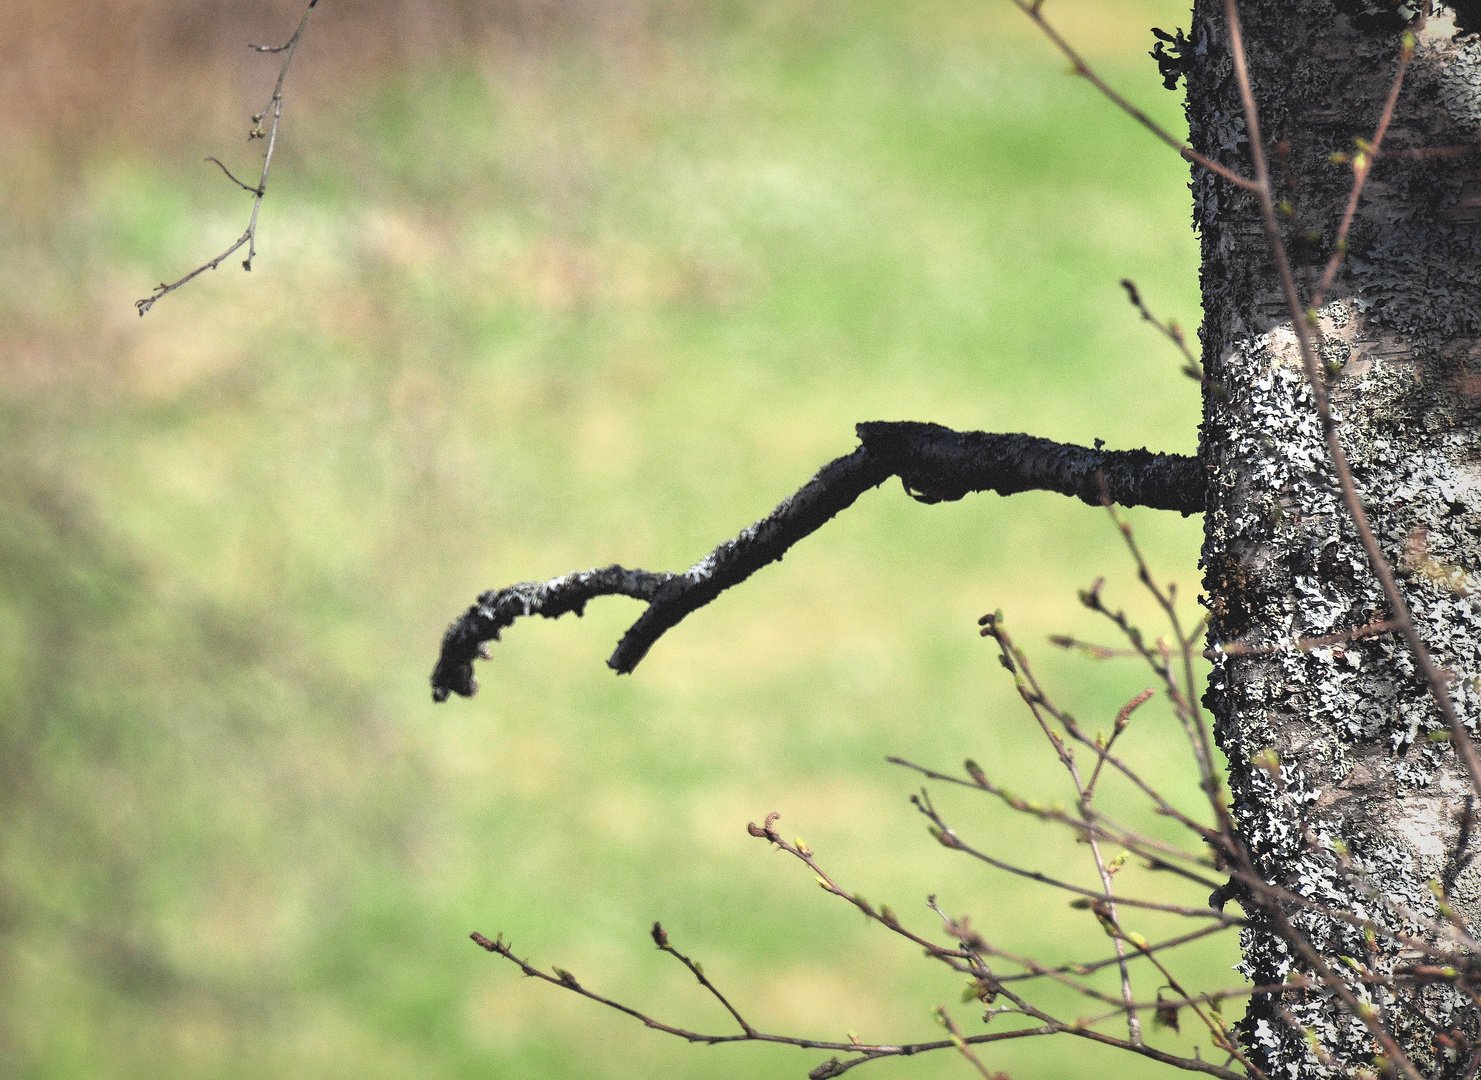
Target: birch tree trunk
{"type": "Point", "coordinates": [1360, 779]}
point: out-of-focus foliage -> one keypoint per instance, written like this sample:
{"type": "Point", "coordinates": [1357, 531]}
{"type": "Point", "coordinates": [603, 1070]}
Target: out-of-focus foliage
{"type": "Point", "coordinates": [539, 290]}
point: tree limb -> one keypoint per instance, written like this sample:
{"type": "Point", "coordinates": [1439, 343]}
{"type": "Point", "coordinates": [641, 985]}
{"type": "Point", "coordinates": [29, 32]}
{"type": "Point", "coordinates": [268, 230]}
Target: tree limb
{"type": "Point", "coordinates": [934, 463]}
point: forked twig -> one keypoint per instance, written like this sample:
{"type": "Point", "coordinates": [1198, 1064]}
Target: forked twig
{"type": "Point", "coordinates": [934, 463]}
{"type": "Point", "coordinates": [274, 112]}
{"type": "Point", "coordinates": [970, 952]}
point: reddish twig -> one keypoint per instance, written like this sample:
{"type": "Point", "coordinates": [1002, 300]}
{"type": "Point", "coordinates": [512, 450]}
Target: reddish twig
{"type": "Point", "coordinates": [961, 1044]}
{"type": "Point", "coordinates": [1362, 165]}
{"type": "Point", "coordinates": [1234, 648]}
{"type": "Point", "coordinates": [947, 837]}
{"type": "Point", "coordinates": [1084, 70]}
{"type": "Point", "coordinates": [1169, 329]}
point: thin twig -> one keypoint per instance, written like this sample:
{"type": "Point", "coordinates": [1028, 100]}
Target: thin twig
{"type": "Point", "coordinates": [1087, 794]}
{"type": "Point", "coordinates": [1091, 968]}
{"type": "Point", "coordinates": [1222, 1036]}
{"type": "Point", "coordinates": [245, 187]}
{"type": "Point", "coordinates": [1169, 329]}
{"type": "Point", "coordinates": [1091, 649]}
{"type": "Point", "coordinates": [1123, 719]}
{"type": "Point", "coordinates": [1028, 688]}
{"type": "Point", "coordinates": [1080, 1027]}
{"type": "Point", "coordinates": [1185, 698]}
{"type": "Point", "coordinates": [1364, 1013]}
{"type": "Point", "coordinates": [961, 1044]}
{"type": "Point", "coordinates": [1084, 70]}
{"type": "Point", "coordinates": [975, 946]}
{"type": "Point", "coordinates": [661, 939]}
{"type": "Point", "coordinates": [275, 111]}
{"type": "Point", "coordinates": [866, 1051]}
{"type": "Point", "coordinates": [1260, 891]}
{"type": "Point", "coordinates": [1160, 663]}
{"type": "Point", "coordinates": [948, 838]}
{"type": "Point", "coordinates": [1155, 852]}
{"type": "Point", "coordinates": [1362, 165]}
{"type": "Point", "coordinates": [1234, 648]}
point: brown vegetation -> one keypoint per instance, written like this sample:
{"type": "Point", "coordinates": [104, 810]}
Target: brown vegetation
{"type": "Point", "coordinates": [125, 71]}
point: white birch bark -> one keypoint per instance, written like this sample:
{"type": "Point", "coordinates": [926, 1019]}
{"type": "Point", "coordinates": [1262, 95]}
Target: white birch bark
{"type": "Point", "coordinates": [1281, 560]}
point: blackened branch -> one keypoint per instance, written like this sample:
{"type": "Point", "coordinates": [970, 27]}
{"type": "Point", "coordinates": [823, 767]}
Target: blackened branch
{"type": "Point", "coordinates": [941, 465]}
{"type": "Point", "coordinates": [934, 463]}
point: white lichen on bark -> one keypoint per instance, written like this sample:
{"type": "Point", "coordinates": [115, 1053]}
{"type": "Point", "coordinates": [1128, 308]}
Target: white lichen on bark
{"type": "Point", "coordinates": [1360, 779]}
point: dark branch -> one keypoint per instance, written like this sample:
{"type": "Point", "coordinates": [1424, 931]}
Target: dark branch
{"type": "Point", "coordinates": [941, 465]}
{"type": "Point", "coordinates": [934, 463]}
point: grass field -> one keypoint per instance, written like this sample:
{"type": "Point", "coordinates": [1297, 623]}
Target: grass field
{"type": "Point", "coordinates": [524, 310]}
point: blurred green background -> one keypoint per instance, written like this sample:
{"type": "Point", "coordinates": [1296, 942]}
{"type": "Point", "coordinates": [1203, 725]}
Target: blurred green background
{"type": "Point", "coordinates": [542, 287]}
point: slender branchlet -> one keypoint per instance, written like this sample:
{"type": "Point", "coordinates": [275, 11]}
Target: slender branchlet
{"type": "Point", "coordinates": [1168, 329]}
{"type": "Point", "coordinates": [1078, 65]}
{"type": "Point", "coordinates": [1002, 980]}
{"type": "Point", "coordinates": [272, 116]}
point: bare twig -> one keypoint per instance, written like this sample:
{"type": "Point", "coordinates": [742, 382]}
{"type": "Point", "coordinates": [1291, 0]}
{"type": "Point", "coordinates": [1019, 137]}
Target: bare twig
{"type": "Point", "coordinates": [1222, 1036]}
{"type": "Point", "coordinates": [661, 939]}
{"type": "Point", "coordinates": [1362, 165]}
{"type": "Point", "coordinates": [1091, 649]}
{"type": "Point", "coordinates": [1364, 1012]}
{"type": "Point", "coordinates": [1185, 697]}
{"type": "Point", "coordinates": [1123, 719]}
{"type": "Point", "coordinates": [948, 838]}
{"type": "Point", "coordinates": [1033, 695]}
{"type": "Point", "coordinates": [865, 1051]}
{"type": "Point", "coordinates": [1091, 968]}
{"type": "Point", "coordinates": [1084, 70]}
{"type": "Point", "coordinates": [961, 1044]}
{"type": "Point", "coordinates": [1259, 891]}
{"type": "Point", "coordinates": [1234, 648]}
{"type": "Point", "coordinates": [230, 176]}
{"type": "Point", "coordinates": [976, 949]}
{"type": "Point", "coordinates": [1086, 793]}
{"type": "Point", "coordinates": [274, 112]}
{"type": "Point", "coordinates": [1079, 1027]}
{"type": "Point", "coordinates": [1155, 852]}
{"type": "Point", "coordinates": [1169, 329]}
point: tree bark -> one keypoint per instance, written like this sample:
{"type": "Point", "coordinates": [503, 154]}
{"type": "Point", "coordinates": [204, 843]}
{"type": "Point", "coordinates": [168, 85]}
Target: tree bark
{"type": "Point", "coordinates": [1359, 780]}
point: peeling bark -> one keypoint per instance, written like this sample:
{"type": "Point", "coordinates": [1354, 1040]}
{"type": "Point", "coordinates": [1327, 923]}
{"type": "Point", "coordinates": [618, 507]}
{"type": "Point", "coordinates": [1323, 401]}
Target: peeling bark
{"type": "Point", "coordinates": [1281, 561]}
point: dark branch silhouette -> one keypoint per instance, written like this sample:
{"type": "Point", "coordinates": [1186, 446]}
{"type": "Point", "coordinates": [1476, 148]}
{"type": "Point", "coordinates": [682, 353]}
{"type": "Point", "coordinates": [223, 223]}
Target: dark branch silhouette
{"type": "Point", "coordinates": [934, 463]}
